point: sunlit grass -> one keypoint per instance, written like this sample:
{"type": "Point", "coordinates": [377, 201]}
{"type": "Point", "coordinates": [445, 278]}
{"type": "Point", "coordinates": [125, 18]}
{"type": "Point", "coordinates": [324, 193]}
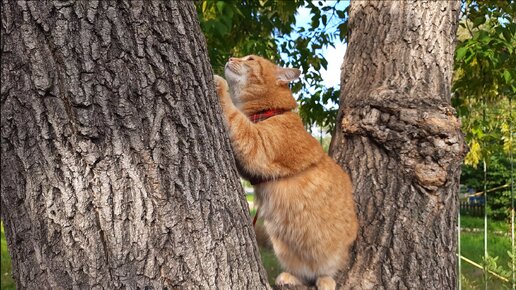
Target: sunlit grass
{"type": "Point", "coordinates": [469, 222]}
{"type": "Point", "coordinates": [472, 247]}
{"type": "Point", "coordinates": [7, 281]}
{"type": "Point", "coordinates": [271, 264]}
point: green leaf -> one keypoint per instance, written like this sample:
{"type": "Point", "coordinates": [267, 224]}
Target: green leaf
{"type": "Point", "coordinates": [220, 28]}
{"type": "Point", "coordinates": [220, 6]}
{"type": "Point", "coordinates": [507, 76]}
{"type": "Point", "coordinates": [461, 52]}
{"type": "Point", "coordinates": [507, 35]}
{"type": "Point", "coordinates": [483, 36]}
{"type": "Point", "coordinates": [315, 21]}
{"type": "Point", "coordinates": [479, 21]}
{"type": "Point", "coordinates": [324, 63]}
{"type": "Point", "coordinates": [343, 31]}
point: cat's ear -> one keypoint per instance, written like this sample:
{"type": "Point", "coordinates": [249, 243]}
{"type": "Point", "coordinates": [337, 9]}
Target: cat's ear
{"type": "Point", "coordinates": [286, 75]}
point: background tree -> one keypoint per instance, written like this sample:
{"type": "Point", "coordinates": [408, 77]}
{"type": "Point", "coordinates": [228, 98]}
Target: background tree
{"type": "Point", "coordinates": [116, 168]}
{"type": "Point", "coordinates": [398, 136]}
{"type": "Point", "coordinates": [484, 90]}
{"type": "Point", "coordinates": [484, 75]}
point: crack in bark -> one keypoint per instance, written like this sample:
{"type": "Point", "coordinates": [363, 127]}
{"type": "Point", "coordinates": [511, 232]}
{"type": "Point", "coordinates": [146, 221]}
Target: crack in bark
{"type": "Point", "coordinates": [105, 247]}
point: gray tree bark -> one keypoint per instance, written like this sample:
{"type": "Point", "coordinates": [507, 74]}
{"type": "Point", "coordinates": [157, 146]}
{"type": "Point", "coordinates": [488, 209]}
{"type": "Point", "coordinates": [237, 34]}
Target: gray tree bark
{"type": "Point", "coordinates": [398, 136]}
{"type": "Point", "coordinates": [116, 167]}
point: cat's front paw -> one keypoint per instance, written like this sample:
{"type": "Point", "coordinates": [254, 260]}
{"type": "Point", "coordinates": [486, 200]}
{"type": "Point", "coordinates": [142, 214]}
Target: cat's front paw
{"type": "Point", "coordinates": [326, 283]}
{"type": "Point", "coordinates": [221, 85]}
{"type": "Point", "coordinates": [287, 279]}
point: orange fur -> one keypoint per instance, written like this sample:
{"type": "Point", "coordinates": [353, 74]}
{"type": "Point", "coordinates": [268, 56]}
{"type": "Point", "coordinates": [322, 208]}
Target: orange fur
{"type": "Point", "coordinates": [306, 201]}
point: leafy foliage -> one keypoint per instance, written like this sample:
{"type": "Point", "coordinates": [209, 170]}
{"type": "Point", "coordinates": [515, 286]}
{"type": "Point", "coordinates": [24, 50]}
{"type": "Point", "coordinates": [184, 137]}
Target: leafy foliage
{"type": "Point", "coordinates": [484, 90]}
{"type": "Point", "coordinates": [484, 76]}
{"type": "Point", "coordinates": [244, 27]}
{"type": "Point", "coordinates": [493, 264]}
{"type": "Point", "coordinates": [498, 174]}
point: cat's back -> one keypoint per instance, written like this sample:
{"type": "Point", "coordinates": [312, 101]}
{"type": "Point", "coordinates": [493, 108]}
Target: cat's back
{"type": "Point", "coordinates": [291, 145]}
{"type": "Point", "coordinates": [316, 193]}
{"type": "Point", "coordinates": [313, 213]}
{"type": "Point", "coordinates": [323, 188]}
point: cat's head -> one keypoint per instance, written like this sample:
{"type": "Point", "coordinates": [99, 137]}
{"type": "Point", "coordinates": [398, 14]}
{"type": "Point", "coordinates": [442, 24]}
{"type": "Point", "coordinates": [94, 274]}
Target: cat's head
{"type": "Point", "coordinates": [256, 83]}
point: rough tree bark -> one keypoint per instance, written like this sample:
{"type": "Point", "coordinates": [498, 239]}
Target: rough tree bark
{"type": "Point", "coordinates": [401, 142]}
{"type": "Point", "coordinates": [116, 168]}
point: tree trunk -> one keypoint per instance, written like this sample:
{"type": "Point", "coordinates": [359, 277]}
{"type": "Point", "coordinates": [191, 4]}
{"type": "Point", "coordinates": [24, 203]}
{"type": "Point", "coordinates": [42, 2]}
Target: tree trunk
{"type": "Point", "coordinates": [401, 142]}
{"type": "Point", "coordinates": [116, 167]}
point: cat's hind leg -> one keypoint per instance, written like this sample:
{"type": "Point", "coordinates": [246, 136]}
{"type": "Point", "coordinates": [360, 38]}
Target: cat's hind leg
{"type": "Point", "coordinates": [325, 283]}
{"type": "Point", "coordinates": [286, 278]}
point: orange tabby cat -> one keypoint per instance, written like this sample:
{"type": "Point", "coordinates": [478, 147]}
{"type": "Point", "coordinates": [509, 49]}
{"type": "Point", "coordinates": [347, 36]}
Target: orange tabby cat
{"type": "Point", "coordinates": [304, 197]}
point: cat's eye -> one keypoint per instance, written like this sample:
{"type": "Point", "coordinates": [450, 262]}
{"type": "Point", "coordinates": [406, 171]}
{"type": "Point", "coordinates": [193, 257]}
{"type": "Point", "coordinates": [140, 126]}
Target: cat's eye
{"type": "Point", "coordinates": [250, 58]}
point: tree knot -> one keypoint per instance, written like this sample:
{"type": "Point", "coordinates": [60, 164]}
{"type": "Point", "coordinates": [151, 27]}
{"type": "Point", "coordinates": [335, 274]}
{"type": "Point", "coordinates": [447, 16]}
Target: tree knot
{"type": "Point", "coordinates": [425, 137]}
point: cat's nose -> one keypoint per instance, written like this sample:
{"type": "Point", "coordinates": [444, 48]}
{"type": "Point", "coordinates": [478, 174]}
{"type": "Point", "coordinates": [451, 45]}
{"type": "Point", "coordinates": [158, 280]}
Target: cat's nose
{"type": "Point", "coordinates": [231, 59]}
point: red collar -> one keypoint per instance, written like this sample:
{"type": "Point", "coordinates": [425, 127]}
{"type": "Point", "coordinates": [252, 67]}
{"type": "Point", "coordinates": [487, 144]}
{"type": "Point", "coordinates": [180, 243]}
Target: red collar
{"type": "Point", "coordinates": [266, 114]}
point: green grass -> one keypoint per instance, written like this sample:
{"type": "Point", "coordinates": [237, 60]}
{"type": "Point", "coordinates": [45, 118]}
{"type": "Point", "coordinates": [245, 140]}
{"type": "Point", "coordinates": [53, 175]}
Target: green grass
{"type": "Point", "coordinates": [468, 222]}
{"type": "Point", "coordinates": [472, 247]}
{"type": "Point", "coordinates": [7, 281]}
{"type": "Point", "coordinates": [271, 264]}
